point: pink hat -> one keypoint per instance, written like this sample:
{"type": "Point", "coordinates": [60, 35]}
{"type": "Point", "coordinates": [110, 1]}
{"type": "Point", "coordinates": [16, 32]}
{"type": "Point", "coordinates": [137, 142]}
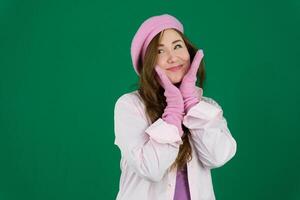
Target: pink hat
{"type": "Point", "coordinates": [146, 32]}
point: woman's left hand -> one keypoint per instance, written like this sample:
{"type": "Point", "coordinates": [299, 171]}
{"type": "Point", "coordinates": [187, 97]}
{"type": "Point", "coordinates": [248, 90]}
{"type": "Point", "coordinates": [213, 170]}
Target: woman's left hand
{"type": "Point", "coordinates": [188, 83]}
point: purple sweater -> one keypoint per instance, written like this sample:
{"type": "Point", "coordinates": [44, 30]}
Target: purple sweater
{"type": "Point", "coordinates": [182, 191]}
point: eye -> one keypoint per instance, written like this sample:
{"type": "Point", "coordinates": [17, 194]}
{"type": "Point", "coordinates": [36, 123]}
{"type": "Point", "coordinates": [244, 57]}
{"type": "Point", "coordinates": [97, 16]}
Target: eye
{"type": "Point", "coordinates": [175, 47]}
{"type": "Point", "coordinates": [178, 45]}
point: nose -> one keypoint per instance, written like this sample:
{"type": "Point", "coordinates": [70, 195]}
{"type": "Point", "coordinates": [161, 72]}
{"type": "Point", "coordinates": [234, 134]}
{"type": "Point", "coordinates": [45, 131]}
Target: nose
{"type": "Point", "coordinates": [172, 57]}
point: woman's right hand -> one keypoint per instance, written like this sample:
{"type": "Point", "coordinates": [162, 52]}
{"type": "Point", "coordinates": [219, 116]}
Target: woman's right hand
{"type": "Point", "coordinates": [174, 110]}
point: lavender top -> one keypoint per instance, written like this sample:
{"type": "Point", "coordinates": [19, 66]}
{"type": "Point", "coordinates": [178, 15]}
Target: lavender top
{"type": "Point", "coordinates": [182, 191]}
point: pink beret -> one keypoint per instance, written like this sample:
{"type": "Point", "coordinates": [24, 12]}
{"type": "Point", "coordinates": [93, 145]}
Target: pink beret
{"type": "Point", "coordinates": [146, 32]}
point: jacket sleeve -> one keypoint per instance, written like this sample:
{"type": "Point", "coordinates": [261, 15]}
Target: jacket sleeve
{"type": "Point", "coordinates": [211, 137]}
{"type": "Point", "coordinates": [149, 149]}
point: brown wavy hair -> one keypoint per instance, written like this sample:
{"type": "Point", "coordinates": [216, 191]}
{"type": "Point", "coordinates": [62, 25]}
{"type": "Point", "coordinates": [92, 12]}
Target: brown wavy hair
{"type": "Point", "coordinates": [152, 94]}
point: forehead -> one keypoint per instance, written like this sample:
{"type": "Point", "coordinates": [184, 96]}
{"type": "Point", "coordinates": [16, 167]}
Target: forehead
{"type": "Point", "coordinates": [169, 35]}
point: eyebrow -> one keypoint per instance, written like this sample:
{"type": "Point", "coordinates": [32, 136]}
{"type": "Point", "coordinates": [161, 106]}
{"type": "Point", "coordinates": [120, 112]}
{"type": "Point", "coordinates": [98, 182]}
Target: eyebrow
{"type": "Point", "coordinates": [172, 42]}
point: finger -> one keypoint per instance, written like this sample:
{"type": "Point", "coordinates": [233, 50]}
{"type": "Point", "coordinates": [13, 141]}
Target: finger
{"type": "Point", "coordinates": [163, 77]}
{"type": "Point", "coordinates": [159, 74]}
{"type": "Point", "coordinates": [201, 92]}
{"type": "Point", "coordinates": [196, 62]}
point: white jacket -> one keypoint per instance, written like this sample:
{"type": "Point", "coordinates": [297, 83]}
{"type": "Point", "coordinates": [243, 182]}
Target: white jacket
{"type": "Point", "coordinates": [148, 150]}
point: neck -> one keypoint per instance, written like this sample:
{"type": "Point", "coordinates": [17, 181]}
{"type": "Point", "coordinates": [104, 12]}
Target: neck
{"type": "Point", "coordinates": [177, 84]}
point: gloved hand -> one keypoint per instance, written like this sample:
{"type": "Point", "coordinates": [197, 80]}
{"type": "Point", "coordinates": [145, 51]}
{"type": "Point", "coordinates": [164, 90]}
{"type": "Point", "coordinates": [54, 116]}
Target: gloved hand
{"type": "Point", "coordinates": [188, 84]}
{"type": "Point", "coordinates": [174, 111]}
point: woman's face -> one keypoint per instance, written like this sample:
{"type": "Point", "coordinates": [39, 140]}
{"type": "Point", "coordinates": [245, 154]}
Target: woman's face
{"type": "Point", "coordinates": [173, 56]}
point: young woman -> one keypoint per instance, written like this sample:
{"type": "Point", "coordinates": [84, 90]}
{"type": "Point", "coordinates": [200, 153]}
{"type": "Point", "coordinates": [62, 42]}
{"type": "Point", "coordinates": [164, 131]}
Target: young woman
{"type": "Point", "coordinates": [169, 134]}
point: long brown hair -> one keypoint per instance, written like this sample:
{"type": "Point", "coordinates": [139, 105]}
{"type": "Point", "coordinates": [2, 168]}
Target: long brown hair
{"type": "Point", "coordinates": [152, 94]}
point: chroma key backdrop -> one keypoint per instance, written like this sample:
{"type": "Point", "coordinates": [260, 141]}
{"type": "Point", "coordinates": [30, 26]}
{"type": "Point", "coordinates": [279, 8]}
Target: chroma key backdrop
{"type": "Point", "coordinates": [63, 65]}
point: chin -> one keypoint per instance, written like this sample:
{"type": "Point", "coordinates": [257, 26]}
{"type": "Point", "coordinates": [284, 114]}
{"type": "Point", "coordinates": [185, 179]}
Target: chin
{"type": "Point", "coordinates": [175, 81]}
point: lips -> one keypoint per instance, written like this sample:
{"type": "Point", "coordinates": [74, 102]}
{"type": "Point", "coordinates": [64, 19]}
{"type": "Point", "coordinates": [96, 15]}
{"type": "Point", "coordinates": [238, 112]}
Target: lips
{"type": "Point", "coordinates": [175, 67]}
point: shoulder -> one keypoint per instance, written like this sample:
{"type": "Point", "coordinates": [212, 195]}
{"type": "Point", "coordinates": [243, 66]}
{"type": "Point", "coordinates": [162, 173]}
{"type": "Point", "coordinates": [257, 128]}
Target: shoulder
{"type": "Point", "coordinates": [130, 104]}
{"type": "Point", "coordinates": [131, 99]}
{"type": "Point", "coordinates": [130, 96]}
{"type": "Point", "coordinates": [209, 100]}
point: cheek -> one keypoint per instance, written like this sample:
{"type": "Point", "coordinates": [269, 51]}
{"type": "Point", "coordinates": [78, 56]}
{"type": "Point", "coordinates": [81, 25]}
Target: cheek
{"type": "Point", "coordinates": [186, 59]}
{"type": "Point", "coordinates": [185, 56]}
{"type": "Point", "coordinates": [162, 62]}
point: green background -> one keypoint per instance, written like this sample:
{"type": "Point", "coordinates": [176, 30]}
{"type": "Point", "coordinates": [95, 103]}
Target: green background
{"type": "Point", "coordinates": [63, 64]}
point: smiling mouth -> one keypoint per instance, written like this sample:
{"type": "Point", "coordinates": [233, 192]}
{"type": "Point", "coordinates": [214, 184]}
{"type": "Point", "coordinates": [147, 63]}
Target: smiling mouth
{"type": "Point", "coordinates": [175, 68]}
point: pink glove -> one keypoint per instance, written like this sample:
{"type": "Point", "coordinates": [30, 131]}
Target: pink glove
{"type": "Point", "coordinates": [188, 83]}
{"type": "Point", "coordinates": [174, 111]}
